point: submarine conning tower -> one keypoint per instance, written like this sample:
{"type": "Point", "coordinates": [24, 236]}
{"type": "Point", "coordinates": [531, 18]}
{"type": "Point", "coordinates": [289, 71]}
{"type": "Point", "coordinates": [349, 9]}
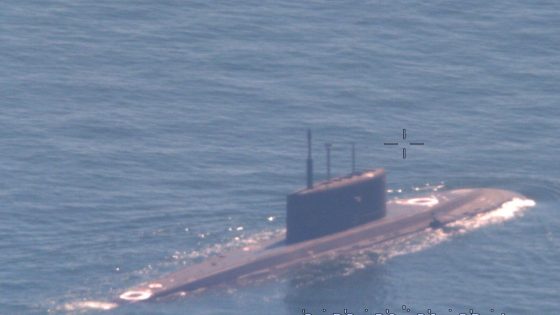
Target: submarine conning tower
{"type": "Point", "coordinates": [335, 204]}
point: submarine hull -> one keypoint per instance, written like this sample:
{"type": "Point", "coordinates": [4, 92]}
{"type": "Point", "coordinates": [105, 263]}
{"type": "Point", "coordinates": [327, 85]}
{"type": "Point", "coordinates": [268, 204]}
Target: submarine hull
{"type": "Point", "coordinates": [405, 216]}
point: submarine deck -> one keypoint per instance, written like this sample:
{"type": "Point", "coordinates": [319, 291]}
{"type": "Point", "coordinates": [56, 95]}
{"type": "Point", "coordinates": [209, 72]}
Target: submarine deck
{"type": "Point", "coordinates": [404, 216]}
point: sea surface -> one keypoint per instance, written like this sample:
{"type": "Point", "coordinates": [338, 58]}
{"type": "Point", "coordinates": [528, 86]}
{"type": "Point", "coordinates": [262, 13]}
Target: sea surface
{"type": "Point", "coordinates": [137, 137]}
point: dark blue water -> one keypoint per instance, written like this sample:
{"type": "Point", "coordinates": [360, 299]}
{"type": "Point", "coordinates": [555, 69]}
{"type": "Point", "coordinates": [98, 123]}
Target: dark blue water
{"type": "Point", "coordinates": [138, 136]}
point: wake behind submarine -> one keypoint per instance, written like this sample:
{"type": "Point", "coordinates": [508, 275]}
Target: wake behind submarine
{"type": "Point", "coordinates": [332, 217]}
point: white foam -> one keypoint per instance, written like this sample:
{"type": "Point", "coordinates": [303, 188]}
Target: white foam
{"type": "Point", "coordinates": [89, 305]}
{"type": "Point", "coordinates": [505, 212]}
{"type": "Point", "coordinates": [429, 237]}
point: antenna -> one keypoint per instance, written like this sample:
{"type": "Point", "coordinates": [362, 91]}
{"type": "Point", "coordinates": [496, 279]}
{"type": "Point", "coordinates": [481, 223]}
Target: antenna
{"type": "Point", "coordinates": [309, 161]}
{"type": "Point", "coordinates": [328, 147]}
{"type": "Point", "coordinates": [353, 158]}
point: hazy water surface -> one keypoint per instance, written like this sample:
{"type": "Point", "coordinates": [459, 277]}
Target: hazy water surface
{"type": "Point", "coordinates": [140, 136]}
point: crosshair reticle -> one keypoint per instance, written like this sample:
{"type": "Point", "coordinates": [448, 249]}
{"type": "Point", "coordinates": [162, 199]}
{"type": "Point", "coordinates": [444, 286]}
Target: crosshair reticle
{"type": "Point", "coordinates": [404, 143]}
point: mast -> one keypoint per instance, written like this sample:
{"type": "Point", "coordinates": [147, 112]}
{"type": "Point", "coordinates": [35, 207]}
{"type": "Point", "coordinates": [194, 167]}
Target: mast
{"type": "Point", "coordinates": [309, 161]}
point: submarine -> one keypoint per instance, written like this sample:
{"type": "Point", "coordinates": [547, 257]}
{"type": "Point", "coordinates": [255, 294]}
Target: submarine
{"type": "Point", "coordinates": [337, 216]}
